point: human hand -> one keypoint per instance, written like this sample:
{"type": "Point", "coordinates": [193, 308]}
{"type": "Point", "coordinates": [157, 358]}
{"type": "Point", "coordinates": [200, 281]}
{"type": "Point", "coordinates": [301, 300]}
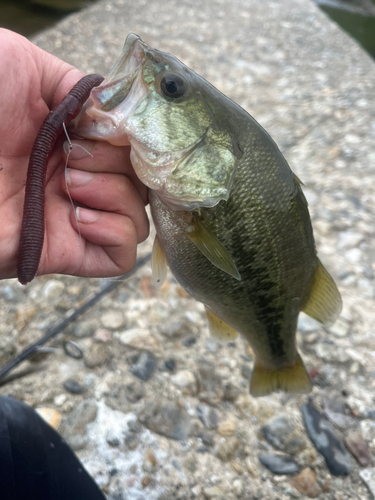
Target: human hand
{"type": "Point", "coordinates": [103, 185]}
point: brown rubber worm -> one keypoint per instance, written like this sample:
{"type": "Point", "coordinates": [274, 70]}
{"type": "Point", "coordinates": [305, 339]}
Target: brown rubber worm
{"type": "Point", "coordinates": [32, 231]}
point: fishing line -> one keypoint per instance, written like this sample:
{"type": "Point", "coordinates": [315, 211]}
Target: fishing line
{"type": "Point", "coordinates": [67, 187]}
{"type": "Point", "coordinates": [31, 350]}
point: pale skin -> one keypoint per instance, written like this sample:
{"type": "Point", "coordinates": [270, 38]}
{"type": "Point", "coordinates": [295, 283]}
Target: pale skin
{"type": "Point", "coordinates": [111, 216]}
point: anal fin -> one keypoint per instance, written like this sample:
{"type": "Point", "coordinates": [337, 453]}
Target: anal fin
{"type": "Point", "coordinates": [158, 264]}
{"type": "Point", "coordinates": [324, 303]}
{"type": "Point", "coordinates": [290, 379]}
{"type": "Point", "coordinates": [219, 329]}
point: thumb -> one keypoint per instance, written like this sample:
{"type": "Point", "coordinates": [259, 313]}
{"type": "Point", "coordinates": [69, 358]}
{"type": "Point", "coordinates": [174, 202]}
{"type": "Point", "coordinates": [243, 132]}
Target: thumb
{"type": "Point", "coordinates": [56, 76]}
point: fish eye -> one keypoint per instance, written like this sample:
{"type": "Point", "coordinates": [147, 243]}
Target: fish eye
{"type": "Point", "coordinates": [173, 85]}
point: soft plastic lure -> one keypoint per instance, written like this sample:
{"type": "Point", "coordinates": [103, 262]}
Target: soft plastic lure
{"type": "Point", "coordinates": [32, 231]}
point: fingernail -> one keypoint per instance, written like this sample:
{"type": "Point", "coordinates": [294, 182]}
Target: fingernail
{"type": "Point", "coordinates": [78, 149]}
{"type": "Point", "coordinates": [75, 178]}
{"type": "Point", "coordinates": [86, 216]}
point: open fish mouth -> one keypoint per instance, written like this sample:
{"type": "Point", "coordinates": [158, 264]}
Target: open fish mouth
{"type": "Point", "coordinates": [117, 85]}
{"type": "Point", "coordinates": [122, 89]}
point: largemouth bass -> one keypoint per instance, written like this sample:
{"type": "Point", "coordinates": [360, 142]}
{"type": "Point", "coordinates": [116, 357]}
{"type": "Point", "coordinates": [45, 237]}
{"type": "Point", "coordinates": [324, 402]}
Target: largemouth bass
{"type": "Point", "coordinates": [231, 219]}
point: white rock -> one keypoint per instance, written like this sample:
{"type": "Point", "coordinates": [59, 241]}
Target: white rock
{"type": "Point", "coordinates": [52, 289]}
{"type": "Point", "coordinates": [133, 333]}
{"type": "Point", "coordinates": [184, 379]}
{"type": "Point", "coordinates": [237, 486]}
{"type": "Point", "coordinates": [113, 320]}
{"type": "Point", "coordinates": [368, 476]}
{"type": "Point", "coordinates": [60, 399]}
{"type": "Point", "coordinates": [340, 328]}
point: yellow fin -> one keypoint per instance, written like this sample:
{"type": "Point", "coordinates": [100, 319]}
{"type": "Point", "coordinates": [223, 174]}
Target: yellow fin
{"type": "Point", "coordinates": [290, 379]}
{"type": "Point", "coordinates": [219, 329]}
{"type": "Point", "coordinates": [211, 248]}
{"type": "Point", "coordinates": [158, 264]}
{"type": "Point", "coordinates": [324, 303]}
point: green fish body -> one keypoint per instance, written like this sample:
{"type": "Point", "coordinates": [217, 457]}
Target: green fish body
{"type": "Point", "coordinates": [231, 219]}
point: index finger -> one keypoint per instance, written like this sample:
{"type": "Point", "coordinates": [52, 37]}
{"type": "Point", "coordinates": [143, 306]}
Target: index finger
{"type": "Point", "coordinates": [99, 156]}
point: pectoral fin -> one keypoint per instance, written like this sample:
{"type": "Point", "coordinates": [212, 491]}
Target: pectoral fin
{"type": "Point", "coordinates": [158, 264]}
{"type": "Point", "coordinates": [211, 248]}
{"type": "Point", "coordinates": [290, 379]}
{"type": "Point", "coordinates": [219, 329]}
{"type": "Point", "coordinates": [324, 303]}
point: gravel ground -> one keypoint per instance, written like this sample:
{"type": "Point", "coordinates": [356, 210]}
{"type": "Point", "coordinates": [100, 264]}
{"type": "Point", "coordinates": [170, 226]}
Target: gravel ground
{"type": "Point", "coordinates": [156, 409]}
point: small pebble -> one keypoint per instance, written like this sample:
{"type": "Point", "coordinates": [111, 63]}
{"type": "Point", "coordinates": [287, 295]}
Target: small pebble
{"type": "Point", "coordinates": [368, 476]}
{"type": "Point", "coordinates": [238, 486]}
{"type": "Point", "coordinates": [102, 335]}
{"type": "Point", "coordinates": [213, 492]}
{"type": "Point", "coordinates": [282, 434]}
{"type": "Point", "coordinates": [96, 355]}
{"type": "Point", "coordinates": [170, 365]}
{"type": "Point", "coordinates": [237, 467]}
{"type": "Point", "coordinates": [60, 399]}
{"type": "Point", "coordinates": [144, 366]}
{"type": "Point", "coordinates": [325, 441]}
{"type": "Point", "coordinates": [112, 320]}
{"type": "Point", "coordinates": [146, 480]}
{"type": "Point", "coordinates": [134, 391]}
{"type": "Point", "coordinates": [52, 289]}
{"type": "Point", "coordinates": [189, 341]}
{"type": "Point", "coordinates": [85, 328]}
{"type": "Point", "coordinates": [131, 441]}
{"type": "Point", "coordinates": [279, 463]}
{"type": "Point", "coordinates": [227, 428]}
{"type": "Point", "coordinates": [51, 416]}
{"type": "Point", "coordinates": [340, 328]}
{"type": "Point", "coordinates": [112, 438]}
{"type": "Point", "coordinates": [150, 461]}
{"type": "Point", "coordinates": [169, 419]}
{"type": "Point", "coordinates": [74, 387]}
{"type": "Point", "coordinates": [185, 379]}
{"type": "Point", "coordinates": [207, 415]}
{"type": "Point", "coordinates": [305, 482]}
{"type": "Point", "coordinates": [227, 449]}
{"type": "Point", "coordinates": [358, 448]}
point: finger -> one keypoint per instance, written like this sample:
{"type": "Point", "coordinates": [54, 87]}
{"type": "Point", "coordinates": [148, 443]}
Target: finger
{"type": "Point", "coordinates": [98, 156]}
{"type": "Point", "coordinates": [111, 242]}
{"type": "Point", "coordinates": [110, 192]}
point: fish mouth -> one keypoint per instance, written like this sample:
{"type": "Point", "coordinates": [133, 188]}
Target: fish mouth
{"type": "Point", "coordinates": [116, 87]}
{"type": "Point", "coordinates": [121, 90]}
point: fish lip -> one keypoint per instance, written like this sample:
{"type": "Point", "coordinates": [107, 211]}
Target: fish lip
{"type": "Point", "coordinates": [116, 87]}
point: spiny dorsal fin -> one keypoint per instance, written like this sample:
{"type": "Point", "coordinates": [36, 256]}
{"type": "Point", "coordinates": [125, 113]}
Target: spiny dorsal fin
{"type": "Point", "coordinates": [324, 303]}
{"type": "Point", "coordinates": [290, 379]}
{"type": "Point", "coordinates": [219, 329]}
{"type": "Point", "coordinates": [298, 180]}
{"type": "Point", "coordinates": [211, 248]}
{"type": "Point", "coordinates": [158, 264]}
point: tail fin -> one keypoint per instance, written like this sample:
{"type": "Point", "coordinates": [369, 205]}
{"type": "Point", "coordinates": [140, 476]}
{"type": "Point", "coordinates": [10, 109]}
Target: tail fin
{"type": "Point", "coordinates": [290, 379]}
